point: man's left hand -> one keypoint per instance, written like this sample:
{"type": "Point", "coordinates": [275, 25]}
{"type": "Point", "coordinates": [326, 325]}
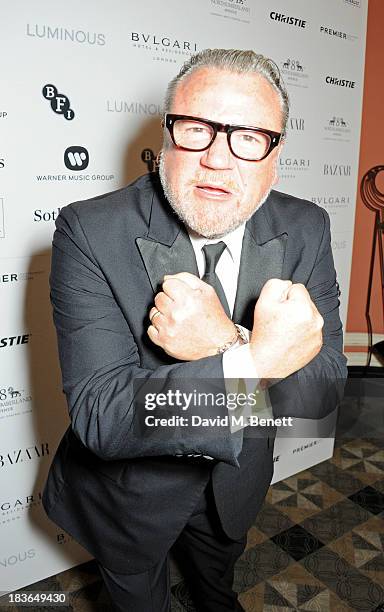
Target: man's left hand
{"type": "Point", "coordinates": [188, 320]}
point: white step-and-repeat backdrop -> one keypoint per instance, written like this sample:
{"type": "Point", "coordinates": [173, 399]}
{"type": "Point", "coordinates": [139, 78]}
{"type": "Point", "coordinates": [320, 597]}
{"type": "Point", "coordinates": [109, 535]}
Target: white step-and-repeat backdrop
{"type": "Point", "coordinates": [80, 107]}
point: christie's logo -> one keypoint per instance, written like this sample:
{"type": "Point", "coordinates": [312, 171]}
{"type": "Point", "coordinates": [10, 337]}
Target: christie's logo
{"type": "Point", "coordinates": [11, 341]}
{"type": "Point", "coordinates": [337, 170]}
{"type": "Point", "coordinates": [165, 47]}
{"type": "Point", "coordinates": [64, 34]}
{"type": "Point", "coordinates": [20, 503]}
{"type": "Point", "coordinates": [136, 108]}
{"type": "Point", "coordinates": [150, 159]}
{"type": "Point", "coordinates": [295, 21]}
{"type": "Point", "coordinates": [21, 455]}
{"type": "Point", "coordinates": [19, 557]}
{"type": "Point", "coordinates": [330, 80]}
{"type": "Point", "coordinates": [59, 102]}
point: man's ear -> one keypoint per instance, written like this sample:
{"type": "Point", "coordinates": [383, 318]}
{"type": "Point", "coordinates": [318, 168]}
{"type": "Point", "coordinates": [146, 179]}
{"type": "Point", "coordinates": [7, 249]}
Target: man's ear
{"type": "Point", "coordinates": [279, 149]}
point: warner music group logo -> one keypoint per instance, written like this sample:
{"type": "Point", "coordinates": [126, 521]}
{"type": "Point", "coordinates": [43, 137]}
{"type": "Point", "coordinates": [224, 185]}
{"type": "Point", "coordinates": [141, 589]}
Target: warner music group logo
{"type": "Point", "coordinates": [294, 72]}
{"type": "Point", "coordinates": [76, 159]}
{"type": "Point", "coordinates": [337, 129]}
{"type": "Point", "coordinates": [237, 10]}
{"type": "Point", "coordinates": [162, 47]}
{"type": "Point", "coordinates": [59, 102]}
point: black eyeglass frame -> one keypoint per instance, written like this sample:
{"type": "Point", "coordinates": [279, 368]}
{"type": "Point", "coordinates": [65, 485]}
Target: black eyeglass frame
{"type": "Point", "coordinates": [171, 118]}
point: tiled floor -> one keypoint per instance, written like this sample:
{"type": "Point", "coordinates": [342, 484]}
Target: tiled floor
{"type": "Point", "coordinates": [317, 544]}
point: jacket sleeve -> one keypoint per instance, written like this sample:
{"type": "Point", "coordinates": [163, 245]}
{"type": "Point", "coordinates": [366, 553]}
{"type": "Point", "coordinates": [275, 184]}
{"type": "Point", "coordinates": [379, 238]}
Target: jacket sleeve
{"type": "Point", "coordinates": [314, 391]}
{"type": "Point", "coordinates": [101, 371]}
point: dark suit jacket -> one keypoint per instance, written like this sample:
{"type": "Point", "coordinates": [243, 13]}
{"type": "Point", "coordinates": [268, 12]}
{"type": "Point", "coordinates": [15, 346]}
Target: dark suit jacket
{"type": "Point", "coordinates": [120, 492]}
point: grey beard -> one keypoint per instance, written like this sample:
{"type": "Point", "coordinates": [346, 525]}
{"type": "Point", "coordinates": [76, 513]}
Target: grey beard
{"type": "Point", "coordinates": [192, 222]}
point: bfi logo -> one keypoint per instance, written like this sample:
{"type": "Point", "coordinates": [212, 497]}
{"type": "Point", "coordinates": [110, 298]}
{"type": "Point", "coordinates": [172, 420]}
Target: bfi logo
{"type": "Point", "coordinates": [59, 102]}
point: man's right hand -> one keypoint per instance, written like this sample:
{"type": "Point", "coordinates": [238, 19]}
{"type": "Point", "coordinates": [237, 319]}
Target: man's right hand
{"type": "Point", "coordinates": [286, 332]}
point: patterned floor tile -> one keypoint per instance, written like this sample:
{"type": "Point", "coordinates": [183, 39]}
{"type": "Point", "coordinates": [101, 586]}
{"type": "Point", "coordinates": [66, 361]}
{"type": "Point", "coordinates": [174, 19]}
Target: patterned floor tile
{"type": "Point", "coordinates": [301, 496]}
{"type": "Point", "coordinates": [255, 537]}
{"type": "Point", "coordinates": [300, 590]}
{"type": "Point", "coordinates": [370, 499]}
{"type": "Point", "coordinates": [333, 522]}
{"type": "Point", "coordinates": [336, 478]}
{"type": "Point", "coordinates": [348, 583]}
{"type": "Point", "coordinates": [271, 521]}
{"type": "Point", "coordinates": [297, 542]}
{"type": "Point", "coordinates": [379, 486]}
{"type": "Point", "coordinates": [259, 563]}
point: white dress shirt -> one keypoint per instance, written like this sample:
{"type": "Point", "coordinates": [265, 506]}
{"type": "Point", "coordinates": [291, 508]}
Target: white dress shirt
{"type": "Point", "coordinates": [237, 361]}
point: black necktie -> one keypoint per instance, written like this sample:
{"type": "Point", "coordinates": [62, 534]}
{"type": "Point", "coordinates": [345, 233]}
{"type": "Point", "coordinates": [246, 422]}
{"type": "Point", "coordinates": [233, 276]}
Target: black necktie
{"type": "Point", "coordinates": [212, 253]}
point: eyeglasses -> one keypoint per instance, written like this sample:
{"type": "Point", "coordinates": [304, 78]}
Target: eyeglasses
{"type": "Point", "coordinates": [197, 134]}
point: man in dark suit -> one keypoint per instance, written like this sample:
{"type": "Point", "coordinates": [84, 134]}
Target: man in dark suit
{"type": "Point", "coordinates": [236, 256]}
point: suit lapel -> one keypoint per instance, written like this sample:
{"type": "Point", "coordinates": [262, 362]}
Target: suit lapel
{"type": "Point", "coordinates": [167, 248]}
{"type": "Point", "coordinates": [262, 258]}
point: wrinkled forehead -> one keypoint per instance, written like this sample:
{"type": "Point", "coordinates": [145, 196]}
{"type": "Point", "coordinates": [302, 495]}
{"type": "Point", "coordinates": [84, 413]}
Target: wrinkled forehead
{"type": "Point", "coordinates": [229, 97]}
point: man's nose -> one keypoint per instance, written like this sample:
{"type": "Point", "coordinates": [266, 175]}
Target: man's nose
{"type": "Point", "coordinates": [218, 156]}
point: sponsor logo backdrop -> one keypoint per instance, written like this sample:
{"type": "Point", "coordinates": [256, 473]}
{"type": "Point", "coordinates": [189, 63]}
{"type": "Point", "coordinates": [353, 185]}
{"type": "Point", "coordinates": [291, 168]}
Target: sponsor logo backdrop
{"type": "Point", "coordinates": [81, 116]}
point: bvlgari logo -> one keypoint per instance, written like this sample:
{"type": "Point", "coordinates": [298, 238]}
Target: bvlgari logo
{"type": "Point", "coordinates": [333, 204]}
{"type": "Point", "coordinates": [294, 72]}
{"type": "Point", "coordinates": [17, 504]}
{"type": "Point", "coordinates": [163, 47]}
{"type": "Point", "coordinates": [290, 167]}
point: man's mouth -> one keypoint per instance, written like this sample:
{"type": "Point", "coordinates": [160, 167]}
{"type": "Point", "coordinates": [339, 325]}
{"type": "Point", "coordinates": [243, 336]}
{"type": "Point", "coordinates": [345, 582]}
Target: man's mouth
{"type": "Point", "coordinates": [212, 190]}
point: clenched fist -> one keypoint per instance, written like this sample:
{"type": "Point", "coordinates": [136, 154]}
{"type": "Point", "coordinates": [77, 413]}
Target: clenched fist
{"type": "Point", "coordinates": [188, 320]}
{"type": "Point", "coordinates": [287, 329]}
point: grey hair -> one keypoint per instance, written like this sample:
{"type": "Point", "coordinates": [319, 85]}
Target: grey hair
{"type": "Point", "coordinates": [233, 60]}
